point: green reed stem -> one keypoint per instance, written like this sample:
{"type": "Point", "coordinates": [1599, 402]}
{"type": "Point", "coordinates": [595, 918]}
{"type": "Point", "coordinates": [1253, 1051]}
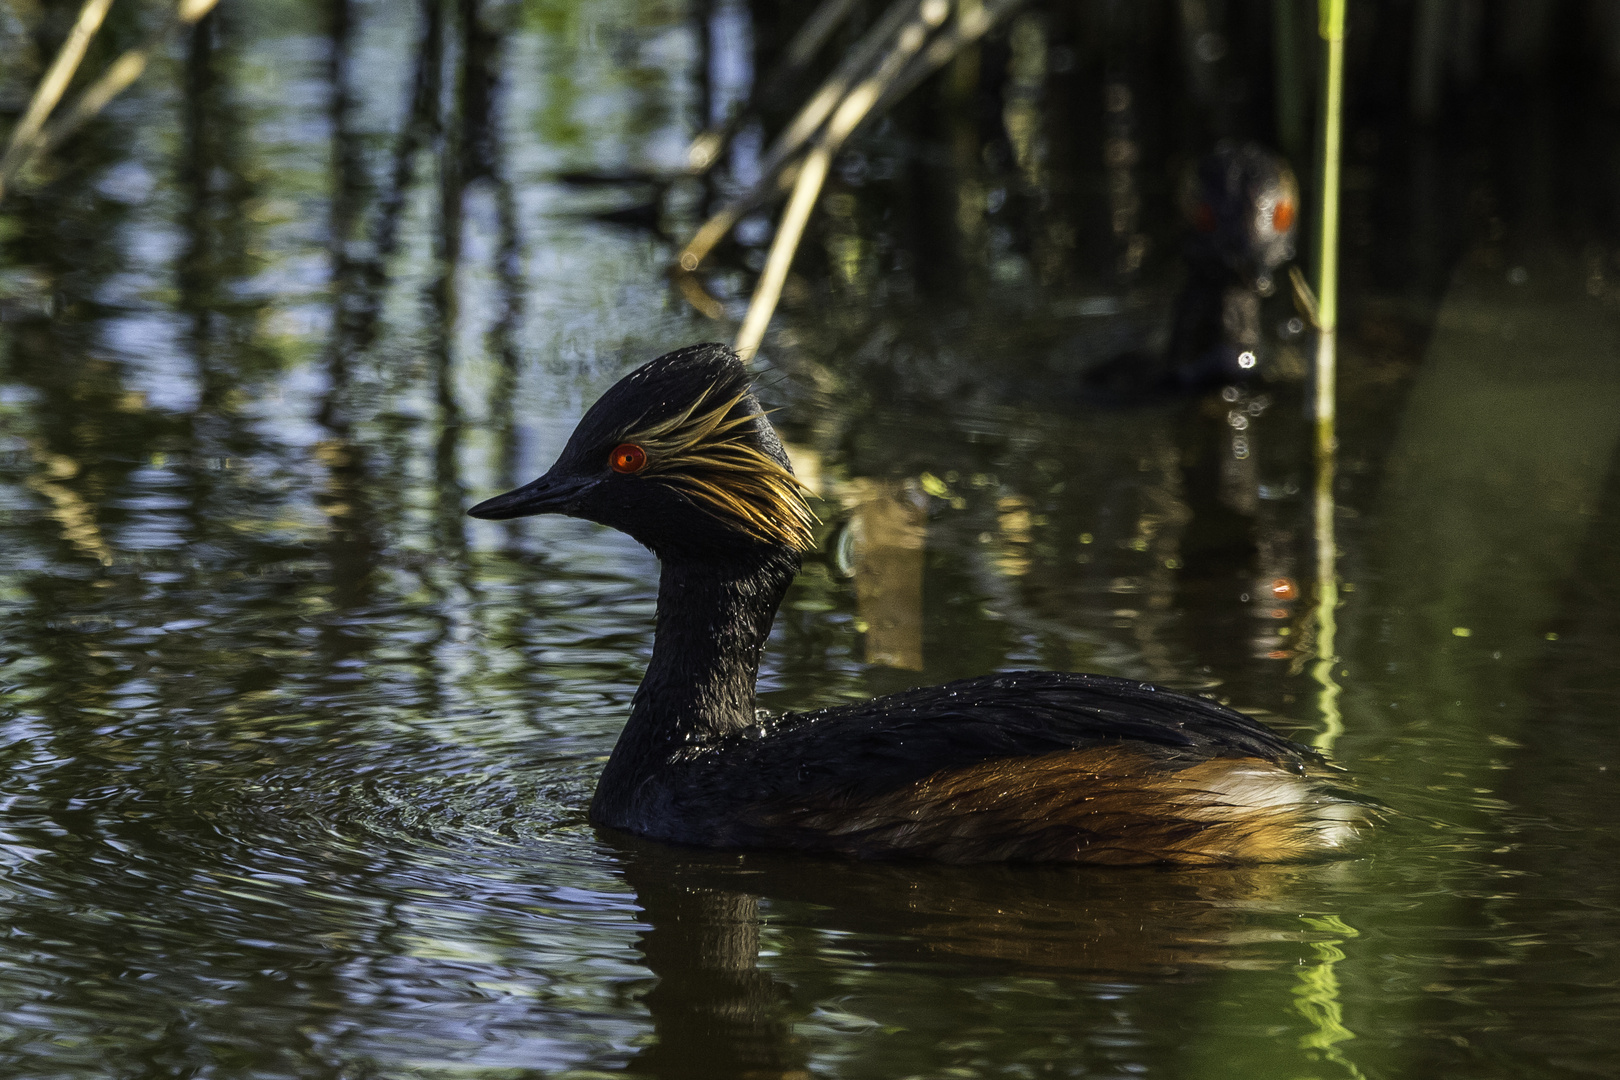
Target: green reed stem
{"type": "Point", "coordinates": [1327, 291]}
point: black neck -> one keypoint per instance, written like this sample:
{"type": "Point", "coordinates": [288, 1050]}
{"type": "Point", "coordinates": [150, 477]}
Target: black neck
{"type": "Point", "coordinates": [1217, 315]}
{"type": "Point", "coordinates": [713, 620]}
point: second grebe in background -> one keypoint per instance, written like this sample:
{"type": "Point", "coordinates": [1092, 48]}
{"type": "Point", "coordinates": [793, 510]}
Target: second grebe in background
{"type": "Point", "coordinates": [1242, 205]}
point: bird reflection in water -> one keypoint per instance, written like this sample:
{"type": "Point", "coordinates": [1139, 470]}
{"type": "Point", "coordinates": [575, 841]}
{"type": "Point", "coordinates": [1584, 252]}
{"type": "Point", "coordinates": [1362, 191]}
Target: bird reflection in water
{"type": "Point", "coordinates": [717, 1014]}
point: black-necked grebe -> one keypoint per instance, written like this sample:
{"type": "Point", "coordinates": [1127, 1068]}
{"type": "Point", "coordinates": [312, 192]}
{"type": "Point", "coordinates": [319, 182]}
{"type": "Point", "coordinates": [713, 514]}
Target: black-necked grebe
{"type": "Point", "coordinates": [1241, 203]}
{"type": "Point", "coordinates": [1026, 766]}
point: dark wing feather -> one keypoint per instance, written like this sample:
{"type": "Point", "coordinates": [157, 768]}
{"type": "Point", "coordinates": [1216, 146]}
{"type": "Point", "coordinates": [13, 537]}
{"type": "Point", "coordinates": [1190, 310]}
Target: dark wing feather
{"type": "Point", "coordinates": [880, 745]}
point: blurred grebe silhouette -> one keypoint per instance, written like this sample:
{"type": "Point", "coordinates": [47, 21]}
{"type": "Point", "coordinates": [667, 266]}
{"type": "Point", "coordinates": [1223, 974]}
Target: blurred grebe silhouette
{"type": "Point", "coordinates": [1242, 204]}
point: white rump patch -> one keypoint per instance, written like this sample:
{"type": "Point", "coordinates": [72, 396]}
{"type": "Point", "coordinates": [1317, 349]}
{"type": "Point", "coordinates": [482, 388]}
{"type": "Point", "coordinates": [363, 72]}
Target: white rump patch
{"type": "Point", "coordinates": [1261, 788]}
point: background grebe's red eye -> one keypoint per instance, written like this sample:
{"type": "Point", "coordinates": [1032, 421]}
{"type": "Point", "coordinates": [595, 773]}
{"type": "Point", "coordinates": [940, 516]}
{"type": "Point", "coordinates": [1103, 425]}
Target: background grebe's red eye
{"type": "Point", "coordinates": [1203, 217]}
{"type": "Point", "coordinates": [627, 458]}
{"type": "Point", "coordinates": [1282, 216]}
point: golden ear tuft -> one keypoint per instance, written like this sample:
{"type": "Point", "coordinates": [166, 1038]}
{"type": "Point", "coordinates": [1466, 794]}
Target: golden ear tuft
{"type": "Point", "coordinates": [705, 453]}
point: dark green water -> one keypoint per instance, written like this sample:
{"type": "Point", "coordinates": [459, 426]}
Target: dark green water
{"type": "Point", "coordinates": [296, 756]}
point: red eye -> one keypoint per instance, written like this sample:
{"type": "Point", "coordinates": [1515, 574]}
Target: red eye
{"type": "Point", "coordinates": [1203, 217]}
{"type": "Point", "coordinates": [1282, 216]}
{"type": "Point", "coordinates": [627, 458]}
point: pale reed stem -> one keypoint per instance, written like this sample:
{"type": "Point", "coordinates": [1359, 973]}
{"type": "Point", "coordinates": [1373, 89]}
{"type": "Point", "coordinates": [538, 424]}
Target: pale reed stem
{"type": "Point", "coordinates": [51, 88]}
{"type": "Point", "coordinates": [848, 116]}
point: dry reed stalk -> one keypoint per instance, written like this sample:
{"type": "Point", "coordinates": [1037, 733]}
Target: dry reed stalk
{"type": "Point", "coordinates": [781, 172]}
{"type": "Point", "coordinates": [118, 77]}
{"type": "Point", "coordinates": [20, 148]}
{"type": "Point", "coordinates": [845, 119]}
{"type": "Point", "coordinates": [972, 23]}
{"type": "Point", "coordinates": [800, 130]}
{"type": "Point", "coordinates": [806, 42]}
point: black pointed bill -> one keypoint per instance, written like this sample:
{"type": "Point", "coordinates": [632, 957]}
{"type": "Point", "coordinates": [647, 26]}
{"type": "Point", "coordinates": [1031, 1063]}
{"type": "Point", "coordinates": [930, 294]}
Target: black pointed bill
{"type": "Point", "coordinates": [544, 496]}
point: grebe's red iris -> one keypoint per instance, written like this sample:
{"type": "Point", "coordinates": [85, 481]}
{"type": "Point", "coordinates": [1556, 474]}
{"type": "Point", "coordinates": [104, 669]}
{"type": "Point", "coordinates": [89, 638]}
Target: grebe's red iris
{"type": "Point", "coordinates": [627, 458]}
{"type": "Point", "coordinates": [1282, 216]}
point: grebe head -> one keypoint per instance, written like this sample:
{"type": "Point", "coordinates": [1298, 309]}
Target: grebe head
{"type": "Point", "coordinates": [1243, 202]}
{"type": "Point", "coordinates": [679, 455]}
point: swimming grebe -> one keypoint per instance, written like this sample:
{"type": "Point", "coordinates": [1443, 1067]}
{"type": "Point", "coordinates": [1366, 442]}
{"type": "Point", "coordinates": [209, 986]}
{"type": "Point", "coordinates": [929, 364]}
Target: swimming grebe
{"type": "Point", "coordinates": [1241, 204]}
{"type": "Point", "coordinates": [1025, 766]}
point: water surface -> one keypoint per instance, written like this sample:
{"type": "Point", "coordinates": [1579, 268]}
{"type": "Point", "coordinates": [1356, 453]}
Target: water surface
{"type": "Point", "coordinates": [297, 756]}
